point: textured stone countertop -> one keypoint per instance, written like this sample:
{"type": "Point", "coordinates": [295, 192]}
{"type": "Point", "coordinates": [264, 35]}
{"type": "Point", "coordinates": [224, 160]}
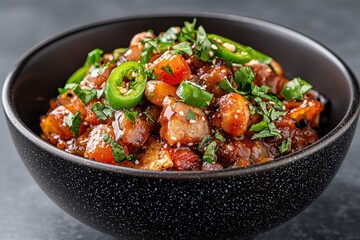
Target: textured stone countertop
{"type": "Point", "coordinates": [26, 212]}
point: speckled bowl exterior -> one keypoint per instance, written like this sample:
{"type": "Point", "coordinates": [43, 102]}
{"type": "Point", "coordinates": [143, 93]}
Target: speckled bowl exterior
{"type": "Point", "coordinates": [139, 204]}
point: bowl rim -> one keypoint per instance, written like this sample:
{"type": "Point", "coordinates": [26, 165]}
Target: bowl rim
{"type": "Point", "coordinates": [348, 119]}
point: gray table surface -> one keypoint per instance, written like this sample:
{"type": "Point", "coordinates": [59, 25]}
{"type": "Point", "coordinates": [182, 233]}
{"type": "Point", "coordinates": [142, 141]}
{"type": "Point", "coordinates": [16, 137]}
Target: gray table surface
{"type": "Point", "coordinates": [26, 212]}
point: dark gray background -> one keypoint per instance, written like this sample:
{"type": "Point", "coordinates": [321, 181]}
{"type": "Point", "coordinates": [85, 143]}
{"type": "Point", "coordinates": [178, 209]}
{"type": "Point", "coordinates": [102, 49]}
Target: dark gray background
{"type": "Point", "coordinates": [25, 211]}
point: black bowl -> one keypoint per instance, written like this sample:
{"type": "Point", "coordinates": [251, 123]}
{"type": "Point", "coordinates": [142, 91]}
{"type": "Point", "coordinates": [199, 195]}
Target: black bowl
{"type": "Point", "coordinates": [140, 204]}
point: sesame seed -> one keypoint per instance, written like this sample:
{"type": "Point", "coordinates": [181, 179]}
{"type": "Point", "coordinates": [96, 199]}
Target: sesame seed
{"type": "Point", "coordinates": [134, 74]}
{"type": "Point", "coordinates": [203, 118]}
{"type": "Point", "coordinates": [311, 104]}
{"type": "Point", "coordinates": [211, 53]}
{"type": "Point", "coordinates": [192, 121]}
{"type": "Point", "coordinates": [190, 144]}
{"type": "Point", "coordinates": [236, 116]}
{"type": "Point", "coordinates": [137, 162]}
{"type": "Point", "coordinates": [271, 102]}
{"type": "Point", "coordinates": [213, 46]}
{"type": "Point", "coordinates": [173, 138]}
{"type": "Point", "coordinates": [181, 113]}
{"type": "Point", "coordinates": [217, 40]}
{"type": "Point", "coordinates": [229, 47]}
{"type": "Point", "coordinates": [178, 144]}
{"type": "Point", "coordinates": [283, 108]}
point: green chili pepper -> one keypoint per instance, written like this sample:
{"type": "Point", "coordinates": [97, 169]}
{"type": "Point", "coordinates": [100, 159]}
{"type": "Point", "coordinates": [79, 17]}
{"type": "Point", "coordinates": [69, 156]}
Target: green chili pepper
{"type": "Point", "coordinates": [125, 94]}
{"type": "Point", "coordinates": [193, 95]}
{"type": "Point", "coordinates": [232, 51]}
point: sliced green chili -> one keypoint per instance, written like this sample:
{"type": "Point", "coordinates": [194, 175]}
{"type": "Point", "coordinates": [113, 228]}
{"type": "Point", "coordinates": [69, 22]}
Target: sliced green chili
{"type": "Point", "coordinates": [126, 85]}
{"type": "Point", "coordinates": [193, 94]}
{"type": "Point", "coordinates": [235, 52]}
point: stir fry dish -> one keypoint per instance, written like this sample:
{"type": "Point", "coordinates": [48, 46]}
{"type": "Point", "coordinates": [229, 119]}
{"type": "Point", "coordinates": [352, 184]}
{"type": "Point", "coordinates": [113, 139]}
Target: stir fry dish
{"type": "Point", "coordinates": [182, 100]}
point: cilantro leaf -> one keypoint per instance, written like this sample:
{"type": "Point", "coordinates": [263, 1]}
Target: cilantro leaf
{"type": "Point", "coordinates": [188, 32]}
{"type": "Point", "coordinates": [130, 116]}
{"type": "Point", "coordinates": [93, 57]}
{"type": "Point", "coordinates": [191, 115]}
{"type": "Point", "coordinates": [244, 78]}
{"type": "Point", "coordinates": [148, 115]}
{"type": "Point", "coordinates": [296, 89]}
{"type": "Point", "coordinates": [183, 47]}
{"type": "Point", "coordinates": [227, 87]}
{"type": "Point", "coordinates": [85, 95]}
{"type": "Point", "coordinates": [170, 35]}
{"type": "Point", "coordinates": [218, 135]}
{"type": "Point", "coordinates": [203, 45]}
{"type": "Point", "coordinates": [102, 112]}
{"type": "Point", "coordinates": [74, 122]}
{"type": "Point", "coordinates": [285, 145]}
{"type": "Point", "coordinates": [168, 69]}
{"type": "Point", "coordinates": [206, 138]}
{"type": "Point", "coordinates": [117, 150]}
{"type": "Point", "coordinates": [209, 155]}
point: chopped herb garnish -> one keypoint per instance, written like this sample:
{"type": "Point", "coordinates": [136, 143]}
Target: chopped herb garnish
{"type": "Point", "coordinates": [130, 116]}
{"type": "Point", "coordinates": [150, 73]}
{"type": "Point", "coordinates": [285, 146]}
{"type": "Point", "coordinates": [266, 127]}
{"type": "Point", "coordinates": [168, 69]}
{"type": "Point", "coordinates": [183, 47]}
{"type": "Point", "coordinates": [209, 155]}
{"type": "Point", "coordinates": [218, 135]}
{"type": "Point", "coordinates": [191, 115]}
{"type": "Point", "coordinates": [203, 45]}
{"type": "Point", "coordinates": [296, 89]}
{"type": "Point", "coordinates": [102, 112]}
{"type": "Point", "coordinates": [67, 87]}
{"type": "Point", "coordinates": [244, 78]}
{"type": "Point", "coordinates": [170, 35]}
{"type": "Point", "coordinates": [117, 150]}
{"type": "Point", "coordinates": [85, 95]}
{"type": "Point", "coordinates": [149, 46]}
{"type": "Point", "coordinates": [93, 57]}
{"type": "Point", "coordinates": [227, 87]}
{"type": "Point", "coordinates": [188, 32]}
{"type": "Point", "coordinates": [206, 138]}
{"type": "Point", "coordinates": [148, 115]}
{"type": "Point", "coordinates": [74, 122]}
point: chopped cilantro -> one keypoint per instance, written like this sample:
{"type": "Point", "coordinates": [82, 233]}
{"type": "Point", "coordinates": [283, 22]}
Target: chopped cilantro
{"type": "Point", "coordinates": [295, 89]}
{"type": "Point", "coordinates": [117, 150]}
{"type": "Point", "coordinates": [191, 115]}
{"type": "Point", "coordinates": [130, 116]}
{"type": "Point", "coordinates": [209, 155]}
{"type": "Point", "coordinates": [203, 45]}
{"type": "Point", "coordinates": [188, 32]}
{"type": "Point", "coordinates": [206, 138]}
{"type": "Point", "coordinates": [285, 145]}
{"type": "Point", "coordinates": [227, 87]}
{"type": "Point", "coordinates": [74, 122]}
{"type": "Point", "coordinates": [102, 112]}
{"type": "Point", "coordinates": [85, 95]}
{"type": "Point", "coordinates": [218, 135]}
{"type": "Point", "coordinates": [148, 115]}
{"type": "Point", "coordinates": [183, 47]}
{"type": "Point", "coordinates": [93, 57]}
{"type": "Point", "coordinates": [244, 79]}
{"type": "Point", "coordinates": [168, 69]}
{"type": "Point", "coordinates": [170, 35]}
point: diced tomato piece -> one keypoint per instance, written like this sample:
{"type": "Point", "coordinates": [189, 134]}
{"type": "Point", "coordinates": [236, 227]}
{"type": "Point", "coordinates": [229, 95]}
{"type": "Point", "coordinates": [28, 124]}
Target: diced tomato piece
{"type": "Point", "coordinates": [96, 148]}
{"type": "Point", "coordinates": [53, 125]}
{"type": "Point", "coordinates": [171, 68]}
